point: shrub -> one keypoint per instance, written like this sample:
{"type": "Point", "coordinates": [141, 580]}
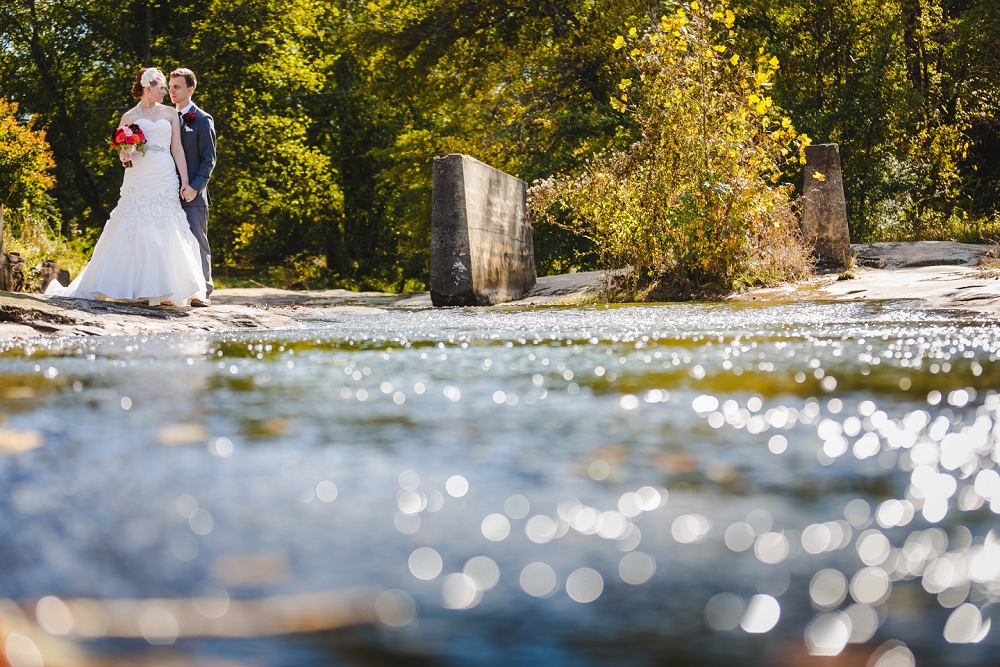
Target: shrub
{"type": "Point", "coordinates": [26, 211]}
{"type": "Point", "coordinates": [32, 232]}
{"type": "Point", "coordinates": [696, 207]}
{"type": "Point", "coordinates": [25, 160]}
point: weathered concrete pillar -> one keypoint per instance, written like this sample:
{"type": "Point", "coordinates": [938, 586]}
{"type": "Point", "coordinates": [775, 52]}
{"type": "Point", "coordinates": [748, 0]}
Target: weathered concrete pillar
{"type": "Point", "coordinates": [481, 247]}
{"type": "Point", "coordinates": [824, 209]}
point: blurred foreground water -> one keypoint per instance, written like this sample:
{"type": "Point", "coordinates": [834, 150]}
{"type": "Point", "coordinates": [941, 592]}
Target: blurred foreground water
{"type": "Point", "coordinates": [681, 484]}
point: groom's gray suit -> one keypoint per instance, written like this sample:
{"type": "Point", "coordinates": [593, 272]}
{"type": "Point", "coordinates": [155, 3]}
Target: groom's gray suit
{"type": "Point", "coordinates": [198, 139]}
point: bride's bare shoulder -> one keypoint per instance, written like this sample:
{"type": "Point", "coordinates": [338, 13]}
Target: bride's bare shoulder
{"type": "Point", "coordinates": [166, 113]}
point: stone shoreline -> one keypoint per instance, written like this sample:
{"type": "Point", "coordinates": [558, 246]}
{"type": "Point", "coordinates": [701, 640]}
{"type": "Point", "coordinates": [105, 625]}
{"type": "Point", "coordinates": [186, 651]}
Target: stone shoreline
{"type": "Point", "coordinates": [931, 274]}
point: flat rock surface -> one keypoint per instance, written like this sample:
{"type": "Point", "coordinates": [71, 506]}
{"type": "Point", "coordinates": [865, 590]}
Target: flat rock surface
{"type": "Point", "coordinates": [928, 287]}
{"type": "Point", "coordinates": [569, 284]}
{"type": "Point", "coordinates": [930, 274]}
{"type": "Point", "coordinates": [267, 296]}
{"type": "Point", "coordinates": [28, 315]}
{"type": "Point", "coordinates": [567, 288]}
{"type": "Point", "coordinates": [935, 275]}
{"type": "Point", "coordinates": [920, 253]}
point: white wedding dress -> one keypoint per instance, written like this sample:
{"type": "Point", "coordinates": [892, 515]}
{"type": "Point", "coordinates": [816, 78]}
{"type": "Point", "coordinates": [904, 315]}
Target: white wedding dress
{"type": "Point", "coordinates": [146, 251]}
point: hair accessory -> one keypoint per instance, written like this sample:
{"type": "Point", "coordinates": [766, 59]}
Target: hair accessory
{"type": "Point", "coordinates": [149, 76]}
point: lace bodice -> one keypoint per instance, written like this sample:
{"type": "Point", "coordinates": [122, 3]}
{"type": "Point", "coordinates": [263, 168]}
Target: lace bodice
{"type": "Point", "coordinates": [153, 173]}
{"type": "Point", "coordinates": [150, 189]}
{"type": "Point", "coordinates": [157, 131]}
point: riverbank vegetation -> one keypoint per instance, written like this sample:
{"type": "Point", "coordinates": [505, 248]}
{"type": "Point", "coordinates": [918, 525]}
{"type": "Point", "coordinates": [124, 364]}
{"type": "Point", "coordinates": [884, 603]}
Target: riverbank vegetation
{"type": "Point", "coordinates": [697, 205]}
{"type": "Point", "coordinates": [27, 236]}
{"type": "Point", "coordinates": [329, 113]}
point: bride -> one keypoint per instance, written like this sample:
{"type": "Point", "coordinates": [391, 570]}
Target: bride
{"type": "Point", "coordinates": [146, 252]}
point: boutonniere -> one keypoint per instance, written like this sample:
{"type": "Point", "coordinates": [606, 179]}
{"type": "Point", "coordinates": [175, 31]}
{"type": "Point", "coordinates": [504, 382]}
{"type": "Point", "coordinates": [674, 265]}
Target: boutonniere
{"type": "Point", "coordinates": [188, 118]}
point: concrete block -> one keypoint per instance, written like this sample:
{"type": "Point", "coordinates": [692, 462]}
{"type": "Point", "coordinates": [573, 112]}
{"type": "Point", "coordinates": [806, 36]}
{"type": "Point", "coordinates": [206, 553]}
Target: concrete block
{"type": "Point", "coordinates": [824, 209]}
{"type": "Point", "coordinates": [481, 246]}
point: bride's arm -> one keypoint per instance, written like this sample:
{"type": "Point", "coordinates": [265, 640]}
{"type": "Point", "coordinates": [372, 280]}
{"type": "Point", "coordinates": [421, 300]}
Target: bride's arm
{"type": "Point", "coordinates": [177, 150]}
{"type": "Point", "coordinates": [125, 120]}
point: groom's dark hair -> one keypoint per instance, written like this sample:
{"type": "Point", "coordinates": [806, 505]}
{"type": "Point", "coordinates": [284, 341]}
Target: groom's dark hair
{"type": "Point", "coordinates": [188, 75]}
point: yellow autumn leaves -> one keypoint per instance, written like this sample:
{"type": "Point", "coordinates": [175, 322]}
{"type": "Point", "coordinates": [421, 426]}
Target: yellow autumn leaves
{"type": "Point", "coordinates": [756, 80]}
{"type": "Point", "coordinates": [619, 104]}
{"type": "Point", "coordinates": [698, 200]}
{"type": "Point", "coordinates": [761, 104]}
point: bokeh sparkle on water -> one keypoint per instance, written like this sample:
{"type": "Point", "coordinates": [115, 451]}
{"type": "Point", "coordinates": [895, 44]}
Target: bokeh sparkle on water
{"type": "Point", "coordinates": [719, 484]}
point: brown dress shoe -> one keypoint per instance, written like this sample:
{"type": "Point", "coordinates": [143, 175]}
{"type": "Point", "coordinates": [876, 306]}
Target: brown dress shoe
{"type": "Point", "coordinates": [198, 303]}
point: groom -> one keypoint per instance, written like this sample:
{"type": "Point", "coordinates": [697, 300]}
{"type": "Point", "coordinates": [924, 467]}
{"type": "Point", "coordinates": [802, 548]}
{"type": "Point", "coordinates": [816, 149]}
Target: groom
{"type": "Point", "coordinates": [198, 139]}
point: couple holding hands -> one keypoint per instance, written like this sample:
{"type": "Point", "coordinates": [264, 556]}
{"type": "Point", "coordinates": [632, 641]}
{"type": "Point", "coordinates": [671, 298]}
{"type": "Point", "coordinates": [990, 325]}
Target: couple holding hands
{"type": "Point", "coordinates": [154, 247]}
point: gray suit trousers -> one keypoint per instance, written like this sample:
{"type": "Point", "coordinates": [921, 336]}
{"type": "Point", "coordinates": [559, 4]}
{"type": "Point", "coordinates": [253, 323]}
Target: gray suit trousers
{"type": "Point", "coordinates": [198, 219]}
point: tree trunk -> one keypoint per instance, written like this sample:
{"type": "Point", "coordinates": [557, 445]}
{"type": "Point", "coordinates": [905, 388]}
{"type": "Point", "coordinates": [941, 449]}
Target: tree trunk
{"type": "Point", "coordinates": [335, 248]}
{"type": "Point", "coordinates": [147, 47]}
{"type": "Point", "coordinates": [912, 45]}
{"type": "Point", "coordinates": [11, 266]}
{"type": "Point", "coordinates": [3, 255]}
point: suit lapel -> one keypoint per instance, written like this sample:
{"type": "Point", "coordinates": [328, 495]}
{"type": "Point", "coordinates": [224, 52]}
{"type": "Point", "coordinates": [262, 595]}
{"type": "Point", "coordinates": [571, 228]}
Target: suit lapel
{"type": "Point", "coordinates": [188, 132]}
{"type": "Point", "coordinates": [195, 110]}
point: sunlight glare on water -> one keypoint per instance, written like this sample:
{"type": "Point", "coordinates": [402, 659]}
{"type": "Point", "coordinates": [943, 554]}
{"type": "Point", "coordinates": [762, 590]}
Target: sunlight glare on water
{"type": "Point", "coordinates": [725, 484]}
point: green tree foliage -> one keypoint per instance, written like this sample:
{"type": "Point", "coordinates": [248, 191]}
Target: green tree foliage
{"type": "Point", "coordinates": [275, 192]}
{"type": "Point", "coordinates": [25, 161]}
{"type": "Point", "coordinates": [58, 61]}
{"type": "Point", "coordinates": [908, 90]}
{"type": "Point", "coordinates": [976, 49]}
{"type": "Point", "coordinates": [523, 87]}
{"type": "Point", "coordinates": [695, 206]}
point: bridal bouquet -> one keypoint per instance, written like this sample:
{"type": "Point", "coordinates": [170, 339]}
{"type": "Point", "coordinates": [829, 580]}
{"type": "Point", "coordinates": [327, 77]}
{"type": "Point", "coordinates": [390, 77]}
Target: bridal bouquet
{"type": "Point", "coordinates": [128, 139]}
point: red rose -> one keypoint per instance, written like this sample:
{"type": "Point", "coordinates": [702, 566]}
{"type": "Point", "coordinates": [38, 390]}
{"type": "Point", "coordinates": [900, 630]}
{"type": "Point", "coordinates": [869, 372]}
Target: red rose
{"type": "Point", "coordinates": [188, 118]}
{"type": "Point", "coordinates": [119, 136]}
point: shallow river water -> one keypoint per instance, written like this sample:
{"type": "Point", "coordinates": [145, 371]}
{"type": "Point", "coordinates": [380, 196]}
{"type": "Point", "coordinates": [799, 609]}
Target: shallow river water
{"type": "Point", "coordinates": [639, 485]}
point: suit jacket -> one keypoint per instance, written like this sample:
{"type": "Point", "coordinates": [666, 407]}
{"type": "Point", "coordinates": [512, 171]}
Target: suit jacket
{"type": "Point", "coordinates": [198, 139]}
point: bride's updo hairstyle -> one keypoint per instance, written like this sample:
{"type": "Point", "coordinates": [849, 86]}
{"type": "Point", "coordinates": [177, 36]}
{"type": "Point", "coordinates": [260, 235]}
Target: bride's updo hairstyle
{"type": "Point", "coordinates": [144, 78]}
